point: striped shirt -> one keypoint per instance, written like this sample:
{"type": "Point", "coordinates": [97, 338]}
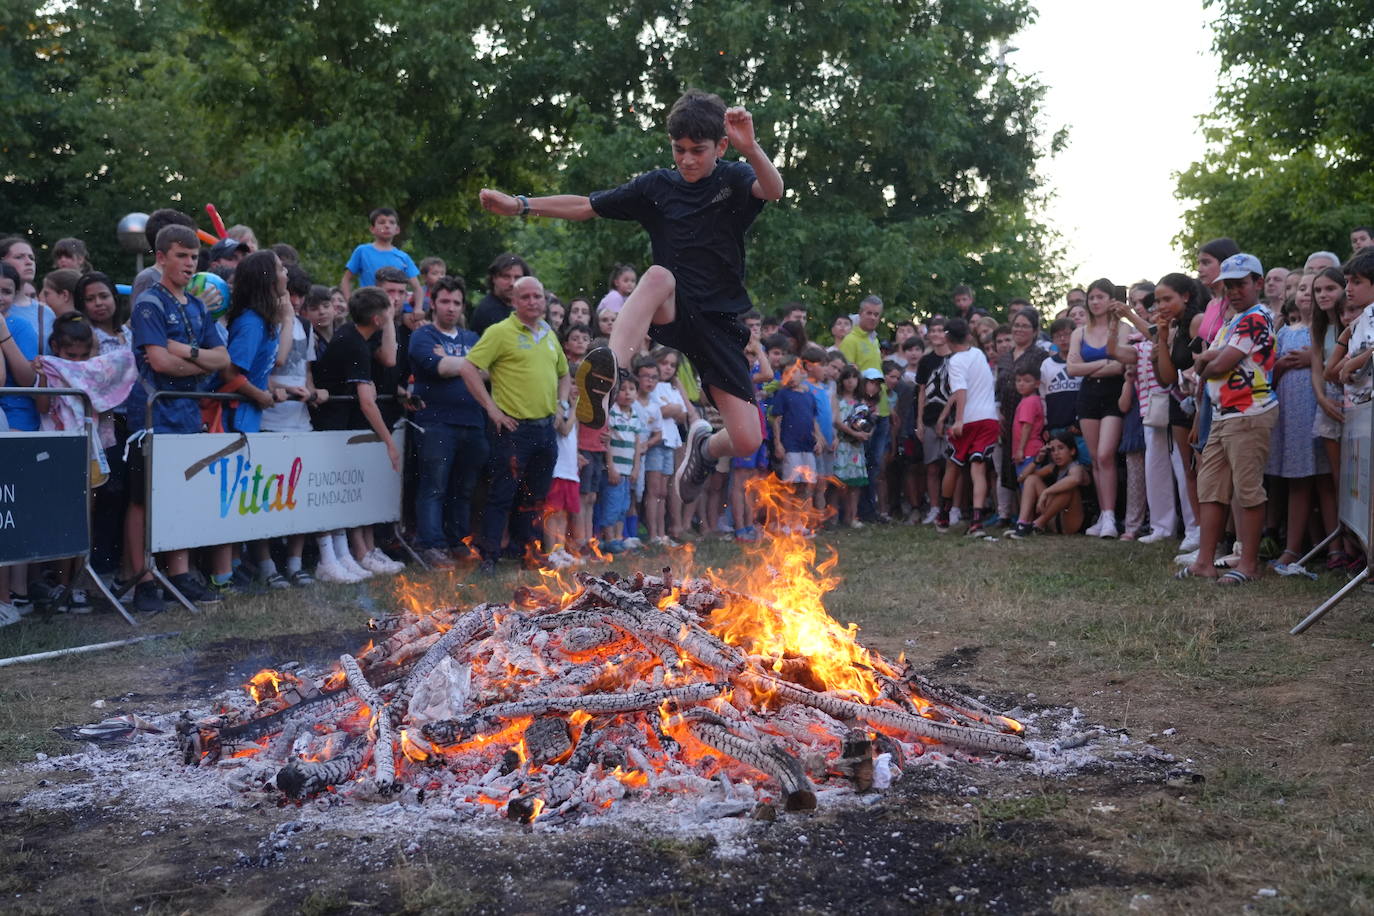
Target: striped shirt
{"type": "Point", "coordinates": [626, 431]}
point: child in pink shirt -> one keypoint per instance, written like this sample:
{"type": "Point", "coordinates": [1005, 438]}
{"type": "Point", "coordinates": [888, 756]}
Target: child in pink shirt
{"type": "Point", "coordinates": [1028, 423]}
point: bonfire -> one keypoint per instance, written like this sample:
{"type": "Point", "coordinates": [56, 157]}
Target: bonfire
{"type": "Point", "coordinates": [590, 688]}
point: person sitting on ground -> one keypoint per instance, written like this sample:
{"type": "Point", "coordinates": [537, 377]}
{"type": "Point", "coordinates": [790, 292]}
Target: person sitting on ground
{"type": "Point", "coordinates": [1052, 491]}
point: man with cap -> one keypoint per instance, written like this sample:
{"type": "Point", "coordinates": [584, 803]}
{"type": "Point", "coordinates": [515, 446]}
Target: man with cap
{"type": "Point", "coordinates": [1238, 368]}
{"type": "Point", "coordinates": [225, 256]}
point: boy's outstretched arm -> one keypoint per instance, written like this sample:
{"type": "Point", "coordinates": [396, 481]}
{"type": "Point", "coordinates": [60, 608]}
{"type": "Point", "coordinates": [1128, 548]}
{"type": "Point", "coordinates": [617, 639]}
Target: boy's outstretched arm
{"type": "Point", "coordinates": [739, 128]}
{"type": "Point", "coordinates": [557, 206]}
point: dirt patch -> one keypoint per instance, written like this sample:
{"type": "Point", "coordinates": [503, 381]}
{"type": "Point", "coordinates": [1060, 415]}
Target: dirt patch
{"type": "Point", "coordinates": [921, 847]}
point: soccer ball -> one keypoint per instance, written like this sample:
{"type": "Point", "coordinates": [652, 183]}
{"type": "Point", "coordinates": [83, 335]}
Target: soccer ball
{"type": "Point", "coordinates": [205, 280]}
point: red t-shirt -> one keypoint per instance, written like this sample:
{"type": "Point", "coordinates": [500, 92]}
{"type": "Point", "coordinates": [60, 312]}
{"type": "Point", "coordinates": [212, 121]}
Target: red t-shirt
{"type": "Point", "coordinates": [1031, 410]}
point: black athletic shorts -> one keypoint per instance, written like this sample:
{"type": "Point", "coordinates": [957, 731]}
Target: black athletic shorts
{"type": "Point", "coordinates": [1099, 397]}
{"type": "Point", "coordinates": [714, 342]}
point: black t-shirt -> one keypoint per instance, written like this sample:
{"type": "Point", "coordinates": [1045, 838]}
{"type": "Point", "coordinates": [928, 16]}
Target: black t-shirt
{"type": "Point", "coordinates": [932, 374]}
{"type": "Point", "coordinates": [489, 311]}
{"type": "Point", "coordinates": [345, 362]}
{"type": "Point", "coordinates": [696, 229]}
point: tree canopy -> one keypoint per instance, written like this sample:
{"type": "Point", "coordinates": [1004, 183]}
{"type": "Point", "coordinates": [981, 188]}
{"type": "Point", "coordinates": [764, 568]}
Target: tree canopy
{"type": "Point", "coordinates": [908, 151]}
{"type": "Point", "coordinates": [1290, 169]}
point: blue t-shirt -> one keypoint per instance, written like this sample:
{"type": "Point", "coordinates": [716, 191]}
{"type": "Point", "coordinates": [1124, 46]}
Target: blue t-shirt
{"type": "Point", "coordinates": [253, 351]}
{"type": "Point", "coordinates": [696, 228]}
{"type": "Point", "coordinates": [798, 412]}
{"type": "Point", "coordinates": [157, 320]}
{"type": "Point", "coordinates": [28, 313]}
{"type": "Point", "coordinates": [447, 400]}
{"type": "Point", "coordinates": [366, 258]}
{"type": "Point", "coordinates": [823, 413]}
{"type": "Point", "coordinates": [20, 411]}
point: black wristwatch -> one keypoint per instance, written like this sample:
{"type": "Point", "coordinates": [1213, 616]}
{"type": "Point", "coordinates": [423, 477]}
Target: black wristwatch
{"type": "Point", "coordinates": [195, 353]}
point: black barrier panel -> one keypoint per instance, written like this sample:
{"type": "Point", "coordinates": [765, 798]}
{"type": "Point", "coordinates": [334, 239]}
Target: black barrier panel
{"type": "Point", "coordinates": [43, 496]}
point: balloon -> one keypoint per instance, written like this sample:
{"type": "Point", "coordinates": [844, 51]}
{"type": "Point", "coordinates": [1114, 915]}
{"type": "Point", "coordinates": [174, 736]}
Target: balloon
{"type": "Point", "coordinates": [205, 280]}
{"type": "Point", "coordinates": [214, 218]}
{"type": "Point", "coordinates": [206, 237]}
{"type": "Point", "coordinates": [123, 289]}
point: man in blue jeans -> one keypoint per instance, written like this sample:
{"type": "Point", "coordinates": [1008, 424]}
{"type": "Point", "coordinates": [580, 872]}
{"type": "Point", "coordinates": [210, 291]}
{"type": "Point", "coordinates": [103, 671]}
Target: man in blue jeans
{"type": "Point", "coordinates": [529, 382]}
{"type": "Point", "coordinates": [453, 447]}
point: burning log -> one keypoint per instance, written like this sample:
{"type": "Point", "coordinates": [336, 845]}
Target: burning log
{"type": "Point", "coordinates": [384, 747]}
{"type": "Point", "coordinates": [968, 739]}
{"type": "Point", "coordinates": [767, 757]}
{"type": "Point", "coordinates": [601, 704]}
{"type": "Point", "coordinates": [546, 740]}
{"type": "Point", "coordinates": [300, 778]}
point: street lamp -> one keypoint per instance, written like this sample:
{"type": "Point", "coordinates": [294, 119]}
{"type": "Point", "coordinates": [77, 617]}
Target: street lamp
{"type": "Point", "coordinates": [133, 236]}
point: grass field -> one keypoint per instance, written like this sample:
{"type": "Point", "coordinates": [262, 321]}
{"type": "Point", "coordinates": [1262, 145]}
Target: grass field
{"type": "Point", "coordinates": [1273, 722]}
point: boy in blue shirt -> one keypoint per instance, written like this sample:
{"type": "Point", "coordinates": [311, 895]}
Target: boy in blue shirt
{"type": "Point", "coordinates": [797, 435]}
{"type": "Point", "coordinates": [176, 345]}
{"type": "Point", "coordinates": [693, 296]}
{"type": "Point", "coordinates": [380, 252]}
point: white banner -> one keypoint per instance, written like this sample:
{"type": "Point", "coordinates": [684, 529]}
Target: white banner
{"type": "Point", "coordinates": [1355, 469]}
{"type": "Point", "coordinates": [222, 488]}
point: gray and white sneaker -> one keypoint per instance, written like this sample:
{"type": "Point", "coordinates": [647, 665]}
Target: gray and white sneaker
{"type": "Point", "coordinates": [695, 469]}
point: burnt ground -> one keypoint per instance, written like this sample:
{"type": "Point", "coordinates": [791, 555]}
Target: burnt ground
{"type": "Point", "coordinates": [911, 852]}
{"type": "Point", "coordinates": [1273, 813]}
{"type": "Point", "coordinates": [934, 842]}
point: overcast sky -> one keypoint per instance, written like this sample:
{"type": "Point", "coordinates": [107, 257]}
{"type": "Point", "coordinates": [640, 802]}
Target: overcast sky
{"type": "Point", "coordinates": [1128, 78]}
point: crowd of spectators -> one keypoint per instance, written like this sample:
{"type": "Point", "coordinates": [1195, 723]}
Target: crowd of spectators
{"type": "Point", "coordinates": [1206, 408]}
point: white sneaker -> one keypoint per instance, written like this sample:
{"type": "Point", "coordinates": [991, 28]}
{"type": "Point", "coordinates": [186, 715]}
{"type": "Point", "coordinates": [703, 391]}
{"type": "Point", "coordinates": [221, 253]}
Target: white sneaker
{"type": "Point", "coordinates": [374, 565]}
{"type": "Point", "coordinates": [334, 572]}
{"type": "Point", "coordinates": [1095, 529]}
{"type": "Point", "coordinates": [8, 614]}
{"type": "Point", "coordinates": [1153, 537]}
{"type": "Point", "coordinates": [955, 516]}
{"type": "Point", "coordinates": [1186, 559]}
{"type": "Point", "coordinates": [381, 559]}
{"type": "Point", "coordinates": [1232, 559]}
{"type": "Point", "coordinates": [633, 543]}
{"type": "Point", "coordinates": [352, 567]}
{"type": "Point", "coordinates": [1192, 539]}
{"type": "Point", "coordinates": [1107, 526]}
{"type": "Point", "coordinates": [931, 516]}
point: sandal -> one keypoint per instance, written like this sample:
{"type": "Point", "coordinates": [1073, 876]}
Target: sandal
{"type": "Point", "coordinates": [1187, 573]}
{"type": "Point", "coordinates": [1337, 559]}
{"type": "Point", "coordinates": [1279, 560]}
{"type": "Point", "coordinates": [1233, 577]}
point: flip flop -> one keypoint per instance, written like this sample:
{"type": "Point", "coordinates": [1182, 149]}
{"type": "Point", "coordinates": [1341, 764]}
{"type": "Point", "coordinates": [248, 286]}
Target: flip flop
{"type": "Point", "coordinates": [1233, 577]}
{"type": "Point", "coordinates": [1187, 573]}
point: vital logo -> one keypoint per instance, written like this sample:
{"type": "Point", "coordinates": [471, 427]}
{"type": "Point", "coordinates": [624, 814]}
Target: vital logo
{"type": "Point", "coordinates": [256, 491]}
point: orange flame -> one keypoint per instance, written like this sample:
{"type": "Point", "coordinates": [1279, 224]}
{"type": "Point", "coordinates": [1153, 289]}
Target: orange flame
{"type": "Point", "coordinates": [268, 683]}
{"type": "Point", "coordinates": [789, 623]}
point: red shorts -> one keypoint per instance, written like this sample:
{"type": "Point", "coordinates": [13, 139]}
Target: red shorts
{"type": "Point", "coordinates": [975, 443]}
{"type": "Point", "coordinates": [563, 497]}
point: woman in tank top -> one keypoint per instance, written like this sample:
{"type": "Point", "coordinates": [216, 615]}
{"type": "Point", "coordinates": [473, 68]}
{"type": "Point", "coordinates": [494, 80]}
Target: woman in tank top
{"type": "Point", "coordinates": [1099, 415]}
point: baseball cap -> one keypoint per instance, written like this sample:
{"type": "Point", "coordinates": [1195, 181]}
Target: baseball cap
{"type": "Point", "coordinates": [872, 374]}
{"type": "Point", "coordinates": [1240, 266]}
{"type": "Point", "coordinates": [223, 249]}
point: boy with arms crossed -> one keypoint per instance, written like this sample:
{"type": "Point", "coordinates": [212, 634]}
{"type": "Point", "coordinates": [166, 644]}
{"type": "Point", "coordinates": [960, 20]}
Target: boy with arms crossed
{"type": "Point", "coordinates": [692, 297]}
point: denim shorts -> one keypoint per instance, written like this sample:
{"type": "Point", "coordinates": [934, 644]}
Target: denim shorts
{"type": "Point", "coordinates": [659, 458]}
{"type": "Point", "coordinates": [614, 502]}
{"type": "Point", "coordinates": [592, 474]}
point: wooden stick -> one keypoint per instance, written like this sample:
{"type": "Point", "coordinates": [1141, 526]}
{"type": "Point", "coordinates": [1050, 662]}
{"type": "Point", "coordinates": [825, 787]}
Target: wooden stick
{"type": "Point", "coordinates": [81, 650]}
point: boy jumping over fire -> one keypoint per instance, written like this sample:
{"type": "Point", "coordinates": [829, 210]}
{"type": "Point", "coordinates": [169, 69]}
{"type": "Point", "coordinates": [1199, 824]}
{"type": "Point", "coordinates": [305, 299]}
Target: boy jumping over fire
{"type": "Point", "coordinates": [693, 296]}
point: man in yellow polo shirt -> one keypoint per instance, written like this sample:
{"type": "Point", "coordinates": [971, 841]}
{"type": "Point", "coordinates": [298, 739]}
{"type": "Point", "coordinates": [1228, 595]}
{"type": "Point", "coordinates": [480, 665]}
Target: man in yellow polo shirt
{"type": "Point", "coordinates": [860, 346]}
{"type": "Point", "coordinates": [529, 385]}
